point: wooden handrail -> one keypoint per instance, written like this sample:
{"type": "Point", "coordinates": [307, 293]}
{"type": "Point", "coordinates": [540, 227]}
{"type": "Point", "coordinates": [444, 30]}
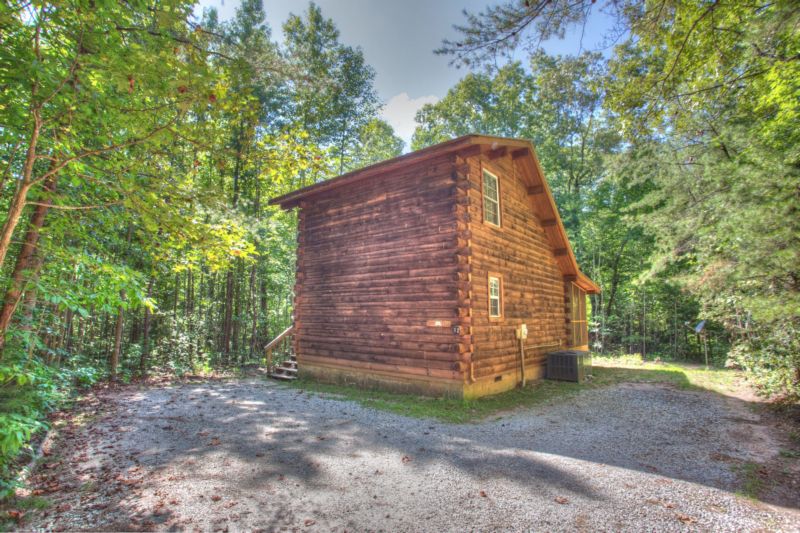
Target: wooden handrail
{"type": "Point", "coordinates": [279, 338]}
{"type": "Point", "coordinates": [277, 341]}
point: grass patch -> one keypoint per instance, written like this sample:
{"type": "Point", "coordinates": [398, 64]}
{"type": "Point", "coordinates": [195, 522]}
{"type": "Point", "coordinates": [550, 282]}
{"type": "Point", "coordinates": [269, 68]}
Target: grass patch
{"type": "Point", "coordinates": [446, 409]}
{"type": "Point", "coordinates": [14, 511]}
{"type": "Point", "coordinates": [31, 503]}
{"type": "Point", "coordinates": [605, 372]}
{"type": "Point", "coordinates": [630, 369]}
{"type": "Point", "coordinates": [752, 481]}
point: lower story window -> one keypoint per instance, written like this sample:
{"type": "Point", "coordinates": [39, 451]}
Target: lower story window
{"type": "Point", "coordinates": [495, 296]}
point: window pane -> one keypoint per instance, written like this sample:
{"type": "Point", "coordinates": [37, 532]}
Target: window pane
{"type": "Point", "coordinates": [490, 210]}
{"type": "Point", "coordinates": [489, 185]}
{"type": "Point", "coordinates": [494, 297]}
{"type": "Point", "coordinates": [491, 199]}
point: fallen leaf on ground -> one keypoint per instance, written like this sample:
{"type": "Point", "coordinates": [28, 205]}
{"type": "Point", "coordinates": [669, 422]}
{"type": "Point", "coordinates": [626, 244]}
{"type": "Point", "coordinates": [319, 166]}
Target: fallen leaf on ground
{"type": "Point", "coordinates": [310, 522]}
{"type": "Point", "coordinates": [216, 498]}
{"type": "Point", "coordinates": [686, 519]}
{"type": "Point", "coordinates": [215, 442]}
{"type": "Point", "coordinates": [406, 459]}
{"type": "Point", "coordinates": [560, 499]}
{"type": "Point", "coordinates": [483, 494]}
{"type": "Point", "coordinates": [16, 515]}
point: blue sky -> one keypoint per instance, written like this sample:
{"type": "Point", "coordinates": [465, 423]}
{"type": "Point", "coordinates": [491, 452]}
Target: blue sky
{"type": "Point", "coordinates": [398, 39]}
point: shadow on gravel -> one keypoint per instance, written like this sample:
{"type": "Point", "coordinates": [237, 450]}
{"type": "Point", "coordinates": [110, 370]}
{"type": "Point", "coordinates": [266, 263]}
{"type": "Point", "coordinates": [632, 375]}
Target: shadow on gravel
{"type": "Point", "coordinates": [282, 431]}
{"type": "Point", "coordinates": [250, 438]}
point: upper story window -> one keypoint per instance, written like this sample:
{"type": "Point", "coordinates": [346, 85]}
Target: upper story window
{"type": "Point", "coordinates": [491, 198]}
{"type": "Point", "coordinates": [495, 296]}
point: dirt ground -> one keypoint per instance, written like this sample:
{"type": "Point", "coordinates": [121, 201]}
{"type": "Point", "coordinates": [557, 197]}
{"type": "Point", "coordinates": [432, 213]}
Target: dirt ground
{"type": "Point", "coordinates": [254, 455]}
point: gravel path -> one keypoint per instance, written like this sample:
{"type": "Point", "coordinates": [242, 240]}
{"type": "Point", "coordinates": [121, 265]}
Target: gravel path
{"type": "Point", "coordinates": [259, 456]}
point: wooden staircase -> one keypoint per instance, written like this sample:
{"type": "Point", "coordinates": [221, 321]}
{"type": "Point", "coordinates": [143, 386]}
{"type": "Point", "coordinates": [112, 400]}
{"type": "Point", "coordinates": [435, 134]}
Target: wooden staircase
{"type": "Point", "coordinates": [281, 359]}
{"type": "Point", "coordinates": [287, 371]}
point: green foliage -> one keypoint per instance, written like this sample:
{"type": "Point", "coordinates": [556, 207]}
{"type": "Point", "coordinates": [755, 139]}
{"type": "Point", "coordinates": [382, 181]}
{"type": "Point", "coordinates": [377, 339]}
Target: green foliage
{"type": "Point", "coordinates": [28, 391]}
{"type": "Point", "coordinates": [333, 98]}
{"type": "Point", "coordinates": [705, 96]}
{"type": "Point", "coordinates": [150, 142]}
{"type": "Point", "coordinates": [377, 143]}
{"type": "Point", "coordinates": [596, 183]}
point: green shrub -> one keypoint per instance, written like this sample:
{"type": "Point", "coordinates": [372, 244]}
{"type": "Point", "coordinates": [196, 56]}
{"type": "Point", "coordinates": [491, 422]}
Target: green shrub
{"type": "Point", "coordinates": [29, 389]}
{"type": "Point", "coordinates": [772, 360]}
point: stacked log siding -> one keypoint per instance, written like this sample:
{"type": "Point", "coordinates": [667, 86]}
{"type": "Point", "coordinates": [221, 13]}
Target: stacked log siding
{"type": "Point", "coordinates": [393, 267]}
{"type": "Point", "coordinates": [533, 285]}
{"type": "Point", "coordinates": [377, 269]}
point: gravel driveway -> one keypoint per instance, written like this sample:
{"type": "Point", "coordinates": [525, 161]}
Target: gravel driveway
{"type": "Point", "coordinates": [260, 456]}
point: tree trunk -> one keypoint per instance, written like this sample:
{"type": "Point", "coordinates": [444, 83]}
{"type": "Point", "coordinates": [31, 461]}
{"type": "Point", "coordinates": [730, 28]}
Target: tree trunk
{"type": "Point", "coordinates": [644, 324]}
{"type": "Point", "coordinates": [237, 312]}
{"type": "Point", "coordinates": [254, 312]}
{"type": "Point", "coordinates": [29, 305]}
{"type": "Point", "coordinates": [115, 355]}
{"type": "Point", "coordinates": [25, 261]}
{"type": "Point", "coordinates": [146, 332]}
{"type": "Point", "coordinates": [615, 278]}
{"type": "Point", "coordinates": [21, 193]}
{"type": "Point", "coordinates": [227, 322]}
{"type": "Point", "coordinates": [264, 310]}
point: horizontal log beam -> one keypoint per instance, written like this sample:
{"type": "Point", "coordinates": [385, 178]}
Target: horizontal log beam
{"type": "Point", "coordinates": [519, 154]}
{"type": "Point", "coordinates": [497, 154]}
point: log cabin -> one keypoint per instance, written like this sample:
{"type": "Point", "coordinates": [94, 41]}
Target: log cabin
{"type": "Point", "coordinates": [417, 273]}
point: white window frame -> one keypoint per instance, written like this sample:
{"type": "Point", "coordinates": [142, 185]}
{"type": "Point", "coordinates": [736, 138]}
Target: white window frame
{"type": "Point", "coordinates": [488, 198]}
{"type": "Point", "coordinates": [492, 277]}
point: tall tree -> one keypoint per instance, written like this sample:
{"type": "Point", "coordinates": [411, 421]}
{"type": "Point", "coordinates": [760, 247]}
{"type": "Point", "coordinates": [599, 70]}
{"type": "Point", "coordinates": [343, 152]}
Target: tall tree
{"type": "Point", "coordinates": [333, 96]}
{"type": "Point", "coordinates": [85, 85]}
{"type": "Point", "coordinates": [707, 90]}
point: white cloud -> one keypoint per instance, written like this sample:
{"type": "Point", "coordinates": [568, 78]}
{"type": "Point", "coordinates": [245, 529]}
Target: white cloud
{"type": "Point", "coordinates": [400, 110]}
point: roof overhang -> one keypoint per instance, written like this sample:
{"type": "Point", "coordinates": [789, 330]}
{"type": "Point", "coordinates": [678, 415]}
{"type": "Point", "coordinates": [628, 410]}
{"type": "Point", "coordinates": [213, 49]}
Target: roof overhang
{"type": "Point", "coordinates": [524, 156]}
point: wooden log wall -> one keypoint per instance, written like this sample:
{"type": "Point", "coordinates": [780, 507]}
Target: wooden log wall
{"type": "Point", "coordinates": [377, 271]}
{"type": "Point", "coordinates": [533, 284]}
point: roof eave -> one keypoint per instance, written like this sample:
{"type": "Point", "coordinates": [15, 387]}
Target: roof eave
{"type": "Point", "coordinates": [292, 199]}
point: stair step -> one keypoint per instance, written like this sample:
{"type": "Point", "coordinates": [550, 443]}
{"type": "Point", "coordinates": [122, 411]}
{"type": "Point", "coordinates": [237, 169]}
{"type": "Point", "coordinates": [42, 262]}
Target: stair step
{"type": "Point", "coordinates": [283, 377]}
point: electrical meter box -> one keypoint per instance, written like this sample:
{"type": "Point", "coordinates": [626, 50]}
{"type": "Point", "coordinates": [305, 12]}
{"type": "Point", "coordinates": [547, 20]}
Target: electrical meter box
{"type": "Point", "coordinates": [522, 332]}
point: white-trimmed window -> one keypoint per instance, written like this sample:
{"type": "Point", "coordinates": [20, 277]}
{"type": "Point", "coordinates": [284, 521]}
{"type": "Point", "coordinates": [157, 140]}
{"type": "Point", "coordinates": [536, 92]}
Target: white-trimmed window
{"type": "Point", "coordinates": [495, 296]}
{"type": "Point", "coordinates": [491, 198]}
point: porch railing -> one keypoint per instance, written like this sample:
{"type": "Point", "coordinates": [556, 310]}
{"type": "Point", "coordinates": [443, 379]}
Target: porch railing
{"type": "Point", "coordinates": [280, 348]}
